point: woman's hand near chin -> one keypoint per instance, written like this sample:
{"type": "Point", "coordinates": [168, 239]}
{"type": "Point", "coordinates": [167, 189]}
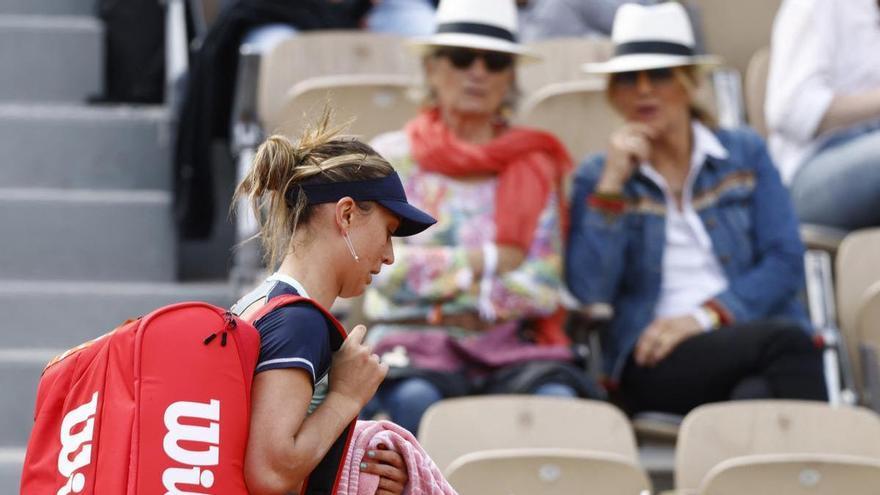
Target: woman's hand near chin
{"type": "Point", "coordinates": [628, 146]}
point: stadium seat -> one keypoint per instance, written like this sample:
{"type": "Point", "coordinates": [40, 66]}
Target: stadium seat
{"type": "Point", "coordinates": [577, 112]}
{"type": "Point", "coordinates": [756, 89]}
{"type": "Point", "coordinates": [373, 103]}
{"type": "Point", "coordinates": [868, 327]}
{"type": "Point", "coordinates": [857, 268]}
{"type": "Point", "coordinates": [452, 428]}
{"type": "Point", "coordinates": [714, 433]}
{"type": "Point", "coordinates": [561, 61]}
{"type": "Point", "coordinates": [794, 474]}
{"type": "Point", "coordinates": [328, 53]}
{"type": "Point", "coordinates": [546, 472]}
{"type": "Point", "coordinates": [736, 30]}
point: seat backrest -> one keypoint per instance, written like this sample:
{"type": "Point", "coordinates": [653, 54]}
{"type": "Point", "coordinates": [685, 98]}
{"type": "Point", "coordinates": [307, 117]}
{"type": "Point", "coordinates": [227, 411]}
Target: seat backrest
{"type": "Point", "coordinates": [736, 30]}
{"type": "Point", "coordinates": [454, 427]}
{"type": "Point", "coordinates": [328, 53]}
{"type": "Point", "coordinates": [373, 103]}
{"type": "Point", "coordinates": [857, 267]}
{"type": "Point", "coordinates": [756, 89]}
{"type": "Point", "coordinates": [794, 474]}
{"type": "Point", "coordinates": [868, 326]}
{"type": "Point", "coordinates": [713, 433]}
{"type": "Point", "coordinates": [561, 61]}
{"type": "Point", "coordinates": [577, 112]}
{"type": "Point", "coordinates": [545, 471]}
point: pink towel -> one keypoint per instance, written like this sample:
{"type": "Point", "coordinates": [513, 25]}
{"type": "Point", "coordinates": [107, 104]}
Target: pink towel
{"type": "Point", "coordinates": [424, 476]}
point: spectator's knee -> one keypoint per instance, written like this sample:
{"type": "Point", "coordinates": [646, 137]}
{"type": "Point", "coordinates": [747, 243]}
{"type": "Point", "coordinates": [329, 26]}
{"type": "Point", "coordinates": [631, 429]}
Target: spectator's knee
{"type": "Point", "coordinates": [415, 391]}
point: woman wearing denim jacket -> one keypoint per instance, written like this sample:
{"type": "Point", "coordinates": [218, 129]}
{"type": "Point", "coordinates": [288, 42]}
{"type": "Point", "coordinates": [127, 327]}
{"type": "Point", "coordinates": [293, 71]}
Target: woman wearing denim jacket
{"type": "Point", "coordinates": [688, 232]}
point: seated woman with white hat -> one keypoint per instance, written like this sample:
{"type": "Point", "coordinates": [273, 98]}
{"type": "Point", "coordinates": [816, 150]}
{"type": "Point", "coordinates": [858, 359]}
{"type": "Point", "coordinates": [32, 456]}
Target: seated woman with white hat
{"type": "Point", "coordinates": [466, 305]}
{"type": "Point", "coordinates": [687, 231]}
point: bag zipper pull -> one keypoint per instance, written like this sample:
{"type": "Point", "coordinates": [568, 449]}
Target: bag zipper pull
{"type": "Point", "coordinates": [231, 324]}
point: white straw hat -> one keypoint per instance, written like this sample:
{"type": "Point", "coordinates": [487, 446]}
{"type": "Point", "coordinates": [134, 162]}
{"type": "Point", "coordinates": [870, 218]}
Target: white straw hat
{"type": "Point", "coordinates": [651, 37]}
{"type": "Point", "coordinates": [480, 24]}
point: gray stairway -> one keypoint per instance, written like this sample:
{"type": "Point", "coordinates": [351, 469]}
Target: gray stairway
{"type": "Point", "coordinates": [86, 232]}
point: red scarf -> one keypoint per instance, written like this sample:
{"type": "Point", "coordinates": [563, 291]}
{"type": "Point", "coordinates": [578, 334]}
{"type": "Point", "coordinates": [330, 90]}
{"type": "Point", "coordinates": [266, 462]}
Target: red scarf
{"type": "Point", "coordinates": [530, 164]}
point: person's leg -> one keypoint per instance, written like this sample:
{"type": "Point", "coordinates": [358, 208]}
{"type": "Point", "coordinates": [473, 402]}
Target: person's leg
{"type": "Point", "coordinates": [402, 17]}
{"type": "Point", "coordinates": [554, 389]}
{"type": "Point", "coordinates": [709, 366]}
{"type": "Point", "coordinates": [840, 186]}
{"type": "Point", "coordinates": [264, 38]}
{"type": "Point", "coordinates": [406, 400]}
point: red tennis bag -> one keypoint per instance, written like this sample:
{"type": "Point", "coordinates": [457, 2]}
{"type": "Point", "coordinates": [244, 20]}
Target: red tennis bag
{"type": "Point", "coordinates": [160, 405]}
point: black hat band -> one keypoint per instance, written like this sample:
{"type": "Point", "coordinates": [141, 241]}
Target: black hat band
{"type": "Point", "coordinates": [476, 28]}
{"type": "Point", "coordinates": [654, 48]}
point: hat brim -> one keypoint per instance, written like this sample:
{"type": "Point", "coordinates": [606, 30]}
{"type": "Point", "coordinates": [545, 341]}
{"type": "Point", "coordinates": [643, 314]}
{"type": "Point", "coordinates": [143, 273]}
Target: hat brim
{"type": "Point", "coordinates": [412, 219]}
{"type": "Point", "coordinates": [475, 41]}
{"type": "Point", "coordinates": [646, 61]}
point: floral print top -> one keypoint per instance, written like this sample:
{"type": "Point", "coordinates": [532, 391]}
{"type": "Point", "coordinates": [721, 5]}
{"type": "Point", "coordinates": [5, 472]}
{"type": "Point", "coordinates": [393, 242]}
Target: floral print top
{"type": "Point", "coordinates": [430, 271]}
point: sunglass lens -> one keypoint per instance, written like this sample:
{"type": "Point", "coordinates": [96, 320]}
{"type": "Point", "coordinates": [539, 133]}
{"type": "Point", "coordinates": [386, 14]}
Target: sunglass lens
{"type": "Point", "coordinates": [497, 62]}
{"type": "Point", "coordinates": [660, 75]}
{"type": "Point", "coordinates": [461, 59]}
{"type": "Point", "coordinates": [626, 78]}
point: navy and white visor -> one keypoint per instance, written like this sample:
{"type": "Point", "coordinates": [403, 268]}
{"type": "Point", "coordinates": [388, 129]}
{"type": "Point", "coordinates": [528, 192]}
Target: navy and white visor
{"type": "Point", "coordinates": [387, 191]}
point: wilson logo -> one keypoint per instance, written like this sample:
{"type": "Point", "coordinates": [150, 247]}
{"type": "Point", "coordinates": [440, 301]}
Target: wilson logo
{"type": "Point", "coordinates": [193, 439]}
{"type": "Point", "coordinates": [81, 420]}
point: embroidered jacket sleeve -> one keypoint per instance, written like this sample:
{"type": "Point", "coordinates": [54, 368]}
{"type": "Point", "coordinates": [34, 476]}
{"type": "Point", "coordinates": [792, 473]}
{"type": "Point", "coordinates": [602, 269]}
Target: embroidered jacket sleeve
{"type": "Point", "coordinates": [594, 263]}
{"type": "Point", "coordinates": [778, 271]}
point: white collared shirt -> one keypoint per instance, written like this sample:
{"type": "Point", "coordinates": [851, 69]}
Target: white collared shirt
{"type": "Point", "coordinates": [820, 48]}
{"type": "Point", "coordinates": [691, 273]}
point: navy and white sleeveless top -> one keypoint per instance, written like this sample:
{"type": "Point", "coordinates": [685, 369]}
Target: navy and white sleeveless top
{"type": "Point", "coordinates": [295, 336]}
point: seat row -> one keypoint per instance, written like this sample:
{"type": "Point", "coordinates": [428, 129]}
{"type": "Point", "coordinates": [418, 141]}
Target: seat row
{"type": "Point", "coordinates": [528, 444]}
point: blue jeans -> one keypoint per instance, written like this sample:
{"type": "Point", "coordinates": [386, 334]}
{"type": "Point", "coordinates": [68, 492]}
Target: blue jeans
{"type": "Point", "coordinates": [406, 400]}
{"type": "Point", "coordinates": [402, 17]}
{"type": "Point", "coordinates": [839, 186]}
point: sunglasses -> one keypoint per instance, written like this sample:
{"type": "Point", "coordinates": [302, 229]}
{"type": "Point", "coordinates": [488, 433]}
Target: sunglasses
{"type": "Point", "coordinates": [463, 58]}
{"type": "Point", "coordinates": [630, 79]}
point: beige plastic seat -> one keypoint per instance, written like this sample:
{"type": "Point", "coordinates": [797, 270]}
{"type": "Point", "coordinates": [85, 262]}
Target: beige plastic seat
{"type": "Point", "coordinates": [735, 30]}
{"type": "Point", "coordinates": [546, 472]}
{"type": "Point", "coordinates": [713, 433]}
{"type": "Point", "coordinates": [577, 112]}
{"type": "Point", "coordinates": [868, 331]}
{"type": "Point", "coordinates": [794, 474]}
{"type": "Point", "coordinates": [327, 53]}
{"type": "Point", "coordinates": [376, 103]}
{"type": "Point", "coordinates": [561, 61]}
{"type": "Point", "coordinates": [756, 89]}
{"type": "Point", "coordinates": [857, 268]}
{"type": "Point", "coordinates": [454, 427]}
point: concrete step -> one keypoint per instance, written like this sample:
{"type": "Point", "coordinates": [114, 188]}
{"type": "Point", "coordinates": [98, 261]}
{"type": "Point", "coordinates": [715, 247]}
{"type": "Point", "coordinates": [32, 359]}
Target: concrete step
{"type": "Point", "coordinates": [56, 234]}
{"type": "Point", "coordinates": [48, 7]}
{"type": "Point", "coordinates": [50, 58]}
{"type": "Point", "coordinates": [79, 146]}
{"type": "Point", "coordinates": [11, 460]}
{"type": "Point", "coordinates": [63, 314]}
{"type": "Point", "coordinates": [19, 374]}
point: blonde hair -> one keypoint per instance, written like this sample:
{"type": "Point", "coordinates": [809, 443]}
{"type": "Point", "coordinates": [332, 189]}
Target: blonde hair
{"type": "Point", "coordinates": [272, 185]}
{"type": "Point", "coordinates": [689, 77]}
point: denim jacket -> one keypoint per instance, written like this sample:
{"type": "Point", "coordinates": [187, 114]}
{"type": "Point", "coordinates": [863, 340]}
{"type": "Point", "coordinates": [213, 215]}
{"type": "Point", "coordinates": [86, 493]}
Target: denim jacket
{"type": "Point", "coordinates": [615, 248]}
